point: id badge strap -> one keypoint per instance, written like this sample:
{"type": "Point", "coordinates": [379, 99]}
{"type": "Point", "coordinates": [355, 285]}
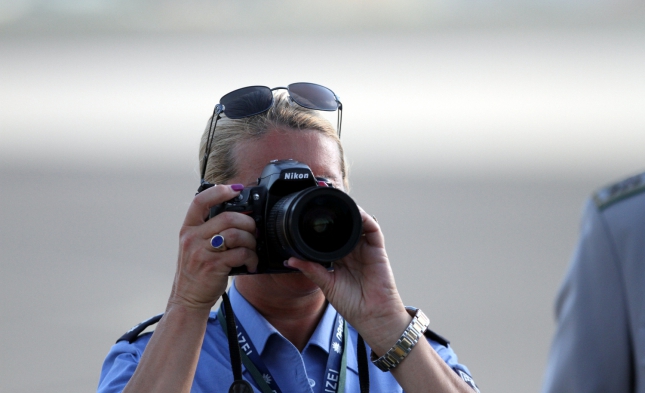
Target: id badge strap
{"type": "Point", "coordinates": [255, 373]}
{"type": "Point", "coordinates": [335, 372]}
{"type": "Point", "coordinates": [343, 364]}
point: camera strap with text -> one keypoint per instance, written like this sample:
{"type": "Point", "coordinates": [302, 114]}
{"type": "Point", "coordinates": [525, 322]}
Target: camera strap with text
{"type": "Point", "coordinates": [336, 362]}
{"type": "Point", "coordinates": [336, 369]}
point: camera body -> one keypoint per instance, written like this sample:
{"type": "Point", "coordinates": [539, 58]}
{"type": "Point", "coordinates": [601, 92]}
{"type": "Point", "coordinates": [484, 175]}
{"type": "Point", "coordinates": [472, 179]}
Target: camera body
{"type": "Point", "coordinates": [296, 215]}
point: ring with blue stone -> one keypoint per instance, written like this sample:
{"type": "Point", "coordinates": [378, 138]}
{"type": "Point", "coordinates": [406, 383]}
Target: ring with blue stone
{"type": "Point", "coordinates": [218, 243]}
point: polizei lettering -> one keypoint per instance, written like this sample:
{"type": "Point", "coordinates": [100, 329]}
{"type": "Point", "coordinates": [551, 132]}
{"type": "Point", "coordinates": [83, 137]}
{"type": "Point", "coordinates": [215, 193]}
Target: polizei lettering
{"type": "Point", "coordinates": [295, 176]}
{"type": "Point", "coordinates": [331, 383]}
{"type": "Point", "coordinates": [244, 346]}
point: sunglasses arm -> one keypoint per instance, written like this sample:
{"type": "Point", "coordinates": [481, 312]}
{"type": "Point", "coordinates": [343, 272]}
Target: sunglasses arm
{"type": "Point", "coordinates": [217, 111]}
{"type": "Point", "coordinates": [340, 118]}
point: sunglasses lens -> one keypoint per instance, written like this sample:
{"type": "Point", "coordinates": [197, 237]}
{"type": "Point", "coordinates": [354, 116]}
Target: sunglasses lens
{"type": "Point", "coordinates": [247, 101]}
{"type": "Point", "coordinates": [313, 96]}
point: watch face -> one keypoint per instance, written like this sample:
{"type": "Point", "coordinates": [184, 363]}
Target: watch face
{"type": "Point", "coordinates": [411, 310]}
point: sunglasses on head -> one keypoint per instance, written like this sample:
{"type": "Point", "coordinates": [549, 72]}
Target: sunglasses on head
{"type": "Point", "coordinates": [253, 100]}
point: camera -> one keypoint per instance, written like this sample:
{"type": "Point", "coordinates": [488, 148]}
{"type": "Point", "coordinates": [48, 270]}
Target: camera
{"type": "Point", "coordinates": [296, 214]}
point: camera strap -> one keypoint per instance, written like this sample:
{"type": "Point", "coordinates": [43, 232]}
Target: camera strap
{"type": "Point", "coordinates": [335, 371]}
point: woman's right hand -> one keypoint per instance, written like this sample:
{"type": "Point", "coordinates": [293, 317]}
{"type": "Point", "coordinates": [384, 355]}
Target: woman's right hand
{"type": "Point", "coordinates": [169, 362]}
{"type": "Point", "coordinates": [202, 272]}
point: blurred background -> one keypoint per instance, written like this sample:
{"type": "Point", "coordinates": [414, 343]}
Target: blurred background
{"type": "Point", "coordinates": [474, 130]}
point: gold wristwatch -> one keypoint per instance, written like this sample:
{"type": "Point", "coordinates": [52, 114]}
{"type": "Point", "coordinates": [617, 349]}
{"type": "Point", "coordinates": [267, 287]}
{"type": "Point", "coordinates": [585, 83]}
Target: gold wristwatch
{"type": "Point", "coordinates": [406, 342]}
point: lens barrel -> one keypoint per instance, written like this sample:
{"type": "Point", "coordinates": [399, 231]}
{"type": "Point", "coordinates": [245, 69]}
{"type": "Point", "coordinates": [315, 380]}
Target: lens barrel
{"type": "Point", "coordinates": [317, 224]}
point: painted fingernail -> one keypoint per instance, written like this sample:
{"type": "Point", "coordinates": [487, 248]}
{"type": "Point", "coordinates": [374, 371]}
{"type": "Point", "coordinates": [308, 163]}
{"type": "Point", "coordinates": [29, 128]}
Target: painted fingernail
{"type": "Point", "coordinates": [237, 187]}
{"type": "Point", "coordinates": [286, 264]}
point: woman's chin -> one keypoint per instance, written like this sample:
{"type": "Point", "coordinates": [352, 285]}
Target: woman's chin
{"type": "Point", "coordinates": [286, 284]}
{"type": "Point", "coordinates": [296, 283]}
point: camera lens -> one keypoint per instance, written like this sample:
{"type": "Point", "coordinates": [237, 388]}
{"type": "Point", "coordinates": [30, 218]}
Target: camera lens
{"type": "Point", "coordinates": [325, 224]}
{"type": "Point", "coordinates": [317, 224]}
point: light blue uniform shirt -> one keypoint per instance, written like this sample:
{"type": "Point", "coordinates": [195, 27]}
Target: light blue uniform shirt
{"type": "Point", "coordinates": [293, 371]}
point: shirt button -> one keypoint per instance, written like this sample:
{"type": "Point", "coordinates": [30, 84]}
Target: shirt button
{"type": "Point", "coordinates": [312, 383]}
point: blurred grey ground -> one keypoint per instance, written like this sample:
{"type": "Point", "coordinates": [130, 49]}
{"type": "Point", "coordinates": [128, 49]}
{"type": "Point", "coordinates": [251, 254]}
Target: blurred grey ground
{"type": "Point", "coordinates": [474, 132]}
{"type": "Point", "coordinates": [86, 255]}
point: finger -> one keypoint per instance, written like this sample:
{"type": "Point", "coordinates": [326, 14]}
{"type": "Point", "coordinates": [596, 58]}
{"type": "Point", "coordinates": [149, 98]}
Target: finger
{"type": "Point", "coordinates": [227, 220]}
{"type": "Point", "coordinates": [201, 204]}
{"type": "Point", "coordinates": [234, 238]}
{"type": "Point", "coordinates": [371, 230]}
{"type": "Point", "coordinates": [240, 256]}
{"type": "Point", "coordinates": [316, 272]}
{"type": "Point", "coordinates": [207, 264]}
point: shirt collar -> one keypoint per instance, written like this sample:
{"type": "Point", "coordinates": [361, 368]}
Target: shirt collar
{"type": "Point", "coordinates": [322, 337]}
{"type": "Point", "coordinates": [257, 328]}
{"type": "Point", "coordinates": [262, 330]}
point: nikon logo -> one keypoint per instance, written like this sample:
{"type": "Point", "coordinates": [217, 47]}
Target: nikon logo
{"type": "Point", "coordinates": [295, 176]}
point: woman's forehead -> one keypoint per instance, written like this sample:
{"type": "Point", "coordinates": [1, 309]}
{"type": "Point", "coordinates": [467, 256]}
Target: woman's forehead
{"type": "Point", "coordinates": [310, 147]}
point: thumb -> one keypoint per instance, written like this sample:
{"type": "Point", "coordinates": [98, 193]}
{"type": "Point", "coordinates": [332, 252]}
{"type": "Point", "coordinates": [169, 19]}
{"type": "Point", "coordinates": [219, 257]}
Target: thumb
{"type": "Point", "coordinates": [313, 271]}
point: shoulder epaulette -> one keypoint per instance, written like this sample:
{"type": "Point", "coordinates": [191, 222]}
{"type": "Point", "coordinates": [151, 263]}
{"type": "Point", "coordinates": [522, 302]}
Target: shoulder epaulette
{"type": "Point", "coordinates": [435, 337]}
{"type": "Point", "coordinates": [617, 192]}
{"type": "Point", "coordinates": [132, 334]}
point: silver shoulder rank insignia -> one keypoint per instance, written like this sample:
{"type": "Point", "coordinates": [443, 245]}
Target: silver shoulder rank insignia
{"type": "Point", "coordinates": [622, 190]}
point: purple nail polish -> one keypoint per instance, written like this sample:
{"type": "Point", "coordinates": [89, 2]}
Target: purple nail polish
{"type": "Point", "coordinates": [237, 187]}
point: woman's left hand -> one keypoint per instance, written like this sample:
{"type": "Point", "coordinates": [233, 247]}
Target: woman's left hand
{"type": "Point", "coordinates": [362, 288]}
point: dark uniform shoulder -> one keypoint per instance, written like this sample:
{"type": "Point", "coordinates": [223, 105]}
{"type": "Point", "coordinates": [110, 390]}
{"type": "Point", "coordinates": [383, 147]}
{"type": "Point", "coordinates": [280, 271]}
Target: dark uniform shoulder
{"type": "Point", "coordinates": [132, 334]}
{"type": "Point", "coordinates": [620, 191]}
{"type": "Point", "coordinates": [435, 337]}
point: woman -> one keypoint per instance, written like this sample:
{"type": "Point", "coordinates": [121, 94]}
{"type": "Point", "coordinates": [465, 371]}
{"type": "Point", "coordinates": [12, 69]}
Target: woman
{"type": "Point", "coordinates": [287, 322]}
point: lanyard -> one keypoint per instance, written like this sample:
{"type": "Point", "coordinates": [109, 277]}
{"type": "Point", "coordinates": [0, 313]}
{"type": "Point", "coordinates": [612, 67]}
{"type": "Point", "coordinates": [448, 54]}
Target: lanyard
{"type": "Point", "coordinates": [336, 362]}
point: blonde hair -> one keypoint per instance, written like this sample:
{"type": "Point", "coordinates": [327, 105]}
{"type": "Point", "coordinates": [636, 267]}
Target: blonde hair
{"type": "Point", "coordinates": [284, 114]}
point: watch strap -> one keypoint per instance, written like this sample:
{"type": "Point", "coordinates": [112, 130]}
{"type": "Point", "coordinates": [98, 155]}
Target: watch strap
{"type": "Point", "coordinates": [406, 342]}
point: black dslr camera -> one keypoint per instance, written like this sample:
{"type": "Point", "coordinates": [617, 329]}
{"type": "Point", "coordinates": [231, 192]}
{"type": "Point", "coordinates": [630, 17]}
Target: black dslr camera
{"type": "Point", "coordinates": [296, 215]}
